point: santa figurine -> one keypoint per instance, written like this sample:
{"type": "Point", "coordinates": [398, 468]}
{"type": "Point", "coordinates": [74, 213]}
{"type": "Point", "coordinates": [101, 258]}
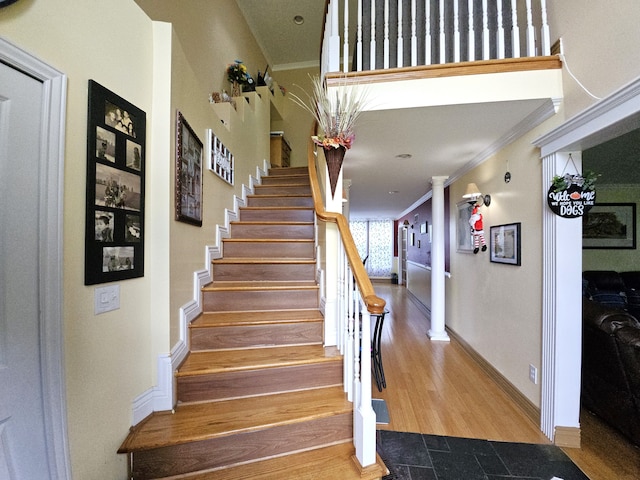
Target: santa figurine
{"type": "Point", "coordinates": [477, 230]}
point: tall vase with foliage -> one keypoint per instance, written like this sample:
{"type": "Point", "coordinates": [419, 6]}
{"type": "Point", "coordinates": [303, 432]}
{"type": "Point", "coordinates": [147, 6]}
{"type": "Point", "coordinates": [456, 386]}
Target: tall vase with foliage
{"type": "Point", "coordinates": [336, 113]}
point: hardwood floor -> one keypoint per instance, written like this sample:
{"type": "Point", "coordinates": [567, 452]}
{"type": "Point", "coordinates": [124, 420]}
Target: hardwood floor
{"type": "Point", "coordinates": [436, 388]}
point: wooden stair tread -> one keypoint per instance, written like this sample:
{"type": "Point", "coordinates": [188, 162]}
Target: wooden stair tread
{"type": "Point", "coordinates": [203, 421]}
{"type": "Point", "coordinates": [208, 362]}
{"type": "Point", "coordinates": [271, 195]}
{"type": "Point", "coordinates": [293, 261]}
{"type": "Point", "coordinates": [260, 285]}
{"type": "Point", "coordinates": [227, 318]}
{"type": "Point", "coordinates": [332, 462]}
{"type": "Point", "coordinates": [269, 222]}
{"type": "Point", "coordinates": [276, 207]}
{"type": "Point", "coordinates": [266, 240]}
{"type": "Point", "coordinates": [287, 184]}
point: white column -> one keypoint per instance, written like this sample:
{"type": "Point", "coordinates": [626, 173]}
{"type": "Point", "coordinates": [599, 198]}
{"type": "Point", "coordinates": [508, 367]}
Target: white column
{"type": "Point", "coordinates": [562, 313]}
{"type": "Point", "coordinates": [437, 330]}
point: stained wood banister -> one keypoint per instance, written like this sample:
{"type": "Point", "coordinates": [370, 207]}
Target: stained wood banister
{"type": "Point", "coordinates": [374, 304]}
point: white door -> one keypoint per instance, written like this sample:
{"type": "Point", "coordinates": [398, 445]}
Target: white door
{"type": "Point", "coordinates": [23, 446]}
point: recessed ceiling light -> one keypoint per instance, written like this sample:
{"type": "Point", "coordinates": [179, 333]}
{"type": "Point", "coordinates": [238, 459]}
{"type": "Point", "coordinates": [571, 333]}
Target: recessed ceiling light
{"type": "Point", "coordinates": [393, 192]}
{"type": "Point", "coordinates": [298, 19]}
{"type": "Point", "coordinates": [404, 155]}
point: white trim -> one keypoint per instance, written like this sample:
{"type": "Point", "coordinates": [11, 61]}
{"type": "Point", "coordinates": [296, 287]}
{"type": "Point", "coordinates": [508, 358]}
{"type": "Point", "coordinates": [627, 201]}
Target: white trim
{"type": "Point", "coordinates": [614, 115]}
{"type": "Point", "coordinates": [562, 260]}
{"type": "Point", "coordinates": [295, 66]}
{"type": "Point", "coordinates": [50, 277]}
{"type": "Point", "coordinates": [162, 397]}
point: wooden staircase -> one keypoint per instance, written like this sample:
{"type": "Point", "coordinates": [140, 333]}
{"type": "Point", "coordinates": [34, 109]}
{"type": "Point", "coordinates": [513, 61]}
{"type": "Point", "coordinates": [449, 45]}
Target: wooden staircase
{"type": "Point", "coordinates": [259, 396]}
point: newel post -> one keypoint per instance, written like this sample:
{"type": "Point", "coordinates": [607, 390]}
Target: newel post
{"type": "Point", "coordinates": [364, 418]}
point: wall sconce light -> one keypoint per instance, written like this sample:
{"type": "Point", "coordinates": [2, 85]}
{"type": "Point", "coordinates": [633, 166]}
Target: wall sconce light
{"type": "Point", "coordinates": [405, 224]}
{"type": "Point", "coordinates": [474, 196]}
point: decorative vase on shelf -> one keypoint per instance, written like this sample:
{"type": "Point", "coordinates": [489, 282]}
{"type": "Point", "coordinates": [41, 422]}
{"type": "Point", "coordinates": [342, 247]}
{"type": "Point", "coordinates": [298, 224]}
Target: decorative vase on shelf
{"type": "Point", "coordinates": [334, 157]}
{"type": "Point", "coordinates": [236, 89]}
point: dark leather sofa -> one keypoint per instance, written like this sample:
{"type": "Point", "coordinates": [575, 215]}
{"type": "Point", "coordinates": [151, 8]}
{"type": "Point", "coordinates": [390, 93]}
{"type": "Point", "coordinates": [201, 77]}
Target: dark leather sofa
{"type": "Point", "coordinates": [611, 357]}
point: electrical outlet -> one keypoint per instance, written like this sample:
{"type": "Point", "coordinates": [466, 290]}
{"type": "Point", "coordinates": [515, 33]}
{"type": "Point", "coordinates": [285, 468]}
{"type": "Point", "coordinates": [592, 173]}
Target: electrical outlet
{"type": "Point", "coordinates": [533, 374]}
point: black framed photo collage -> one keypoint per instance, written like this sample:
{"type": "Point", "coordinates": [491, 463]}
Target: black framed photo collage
{"type": "Point", "coordinates": [114, 238]}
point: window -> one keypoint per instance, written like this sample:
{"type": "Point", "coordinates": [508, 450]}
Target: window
{"type": "Point", "coordinates": [374, 238]}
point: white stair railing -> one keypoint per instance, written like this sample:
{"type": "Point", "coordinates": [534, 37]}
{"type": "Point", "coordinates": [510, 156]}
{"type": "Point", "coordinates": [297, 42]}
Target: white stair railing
{"type": "Point", "coordinates": [445, 31]}
{"type": "Point", "coordinates": [357, 306]}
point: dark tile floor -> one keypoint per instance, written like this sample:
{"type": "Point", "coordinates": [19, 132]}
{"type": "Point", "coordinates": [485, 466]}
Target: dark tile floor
{"type": "Point", "coordinates": [414, 456]}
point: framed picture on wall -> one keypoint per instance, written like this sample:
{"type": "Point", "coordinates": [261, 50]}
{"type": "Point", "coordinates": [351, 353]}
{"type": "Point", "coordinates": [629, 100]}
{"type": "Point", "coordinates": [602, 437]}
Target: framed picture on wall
{"type": "Point", "coordinates": [221, 160]}
{"type": "Point", "coordinates": [504, 244]}
{"type": "Point", "coordinates": [114, 223]}
{"type": "Point", "coordinates": [610, 225]}
{"type": "Point", "coordinates": [464, 239]}
{"type": "Point", "coordinates": [188, 173]}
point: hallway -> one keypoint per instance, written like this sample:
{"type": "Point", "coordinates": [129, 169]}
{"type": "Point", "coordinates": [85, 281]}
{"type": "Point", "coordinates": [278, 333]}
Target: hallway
{"type": "Point", "coordinates": [437, 388]}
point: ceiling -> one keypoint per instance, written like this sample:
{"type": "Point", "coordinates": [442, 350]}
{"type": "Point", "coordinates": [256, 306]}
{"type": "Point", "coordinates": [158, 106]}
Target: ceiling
{"type": "Point", "coordinates": [441, 141]}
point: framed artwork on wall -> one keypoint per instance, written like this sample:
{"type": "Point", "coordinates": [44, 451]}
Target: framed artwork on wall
{"type": "Point", "coordinates": [610, 225]}
{"type": "Point", "coordinates": [188, 173]}
{"type": "Point", "coordinates": [114, 224]}
{"type": "Point", "coordinates": [504, 244]}
{"type": "Point", "coordinates": [221, 160]}
{"type": "Point", "coordinates": [464, 239]}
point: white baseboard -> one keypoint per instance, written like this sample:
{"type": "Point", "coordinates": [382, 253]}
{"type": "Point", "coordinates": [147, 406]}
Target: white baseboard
{"type": "Point", "coordinates": [161, 397]}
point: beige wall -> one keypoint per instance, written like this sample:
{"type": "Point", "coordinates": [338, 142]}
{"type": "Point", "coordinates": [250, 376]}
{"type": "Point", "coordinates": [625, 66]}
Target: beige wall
{"type": "Point", "coordinates": [108, 358]}
{"type": "Point", "coordinates": [207, 37]}
{"type": "Point", "coordinates": [297, 122]}
{"type": "Point", "coordinates": [600, 42]}
{"type": "Point", "coordinates": [497, 308]}
{"type": "Point", "coordinates": [111, 359]}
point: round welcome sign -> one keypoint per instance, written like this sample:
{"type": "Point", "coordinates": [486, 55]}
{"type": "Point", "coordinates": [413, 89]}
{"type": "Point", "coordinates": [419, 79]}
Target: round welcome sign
{"type": "Point", "coordinates": [571, 198]}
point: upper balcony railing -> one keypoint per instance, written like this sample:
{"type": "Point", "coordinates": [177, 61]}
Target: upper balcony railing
{"type": "Point", "coordinates": [361, 35]}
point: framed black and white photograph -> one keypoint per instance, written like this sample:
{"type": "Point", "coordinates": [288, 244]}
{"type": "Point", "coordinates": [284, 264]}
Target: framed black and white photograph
{"type": "Point", "coordinates": [221, 160]}
{"type": "Point", "coordinates": [504, 244]}
{"type": "Point", "coordinates": [464, 239]}
{"type": "Point", "coordinates": [116, 133]}
{"type": "Point", "coordinates": [188, 173]}
{"type": "Point", "coordinates": [610, 225]}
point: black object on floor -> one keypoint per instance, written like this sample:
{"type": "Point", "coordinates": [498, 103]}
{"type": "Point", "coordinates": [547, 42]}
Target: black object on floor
{"type": "Point", "coordinates": [415, 456]}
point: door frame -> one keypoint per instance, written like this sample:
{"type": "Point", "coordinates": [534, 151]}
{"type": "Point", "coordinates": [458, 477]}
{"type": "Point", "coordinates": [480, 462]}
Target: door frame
{"type": "Point", "coordinates": [608, 118]}
{"type": "Point", "coordinates": [50, 281]}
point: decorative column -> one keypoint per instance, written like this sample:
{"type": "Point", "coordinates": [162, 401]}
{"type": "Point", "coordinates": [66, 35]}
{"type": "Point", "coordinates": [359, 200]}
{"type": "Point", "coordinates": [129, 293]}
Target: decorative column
{"type": "Point", "coordinates": [562, 313]}
{"type": "Point", "coordinates": [437, 330]}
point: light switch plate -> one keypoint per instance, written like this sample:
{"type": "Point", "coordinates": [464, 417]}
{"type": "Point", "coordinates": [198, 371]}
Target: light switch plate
{"type": "Point", "coordinates": [107, 299]}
